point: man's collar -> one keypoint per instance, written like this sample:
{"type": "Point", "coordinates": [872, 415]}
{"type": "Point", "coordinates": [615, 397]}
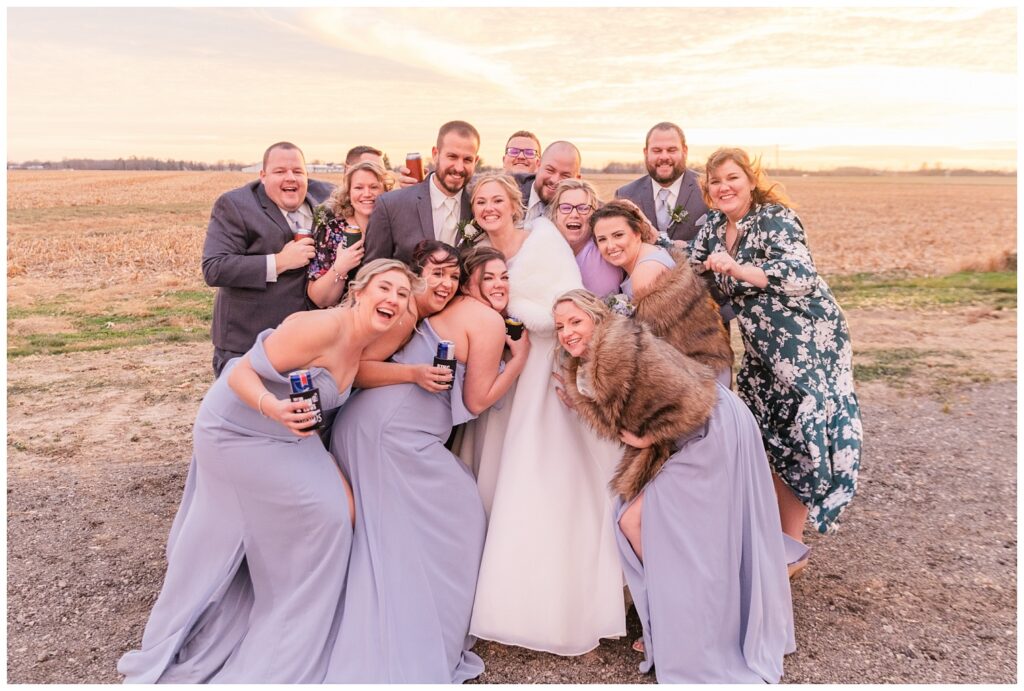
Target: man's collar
{"type": "Point", "coordinates": [673, 188]}
{"type": "Point", "coordinates": [437, 195]}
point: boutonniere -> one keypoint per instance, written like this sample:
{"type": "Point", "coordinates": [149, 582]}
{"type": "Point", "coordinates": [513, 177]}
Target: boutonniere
{"type": "Point", "coordinates": [620, 304]}
{"type": "Point", "coordinates": [467, 233]}
{"type": "Point", "coordinates": [678, 214]}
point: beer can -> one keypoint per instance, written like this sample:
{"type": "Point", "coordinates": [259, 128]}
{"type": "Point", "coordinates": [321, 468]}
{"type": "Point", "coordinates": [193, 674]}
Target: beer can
{"type": "Point", "coordinates": [301, 380]}
{"type": "Point", "coordinates": [414, 163]}
{"type": "Point", "coordinates": [351, 235]}
{"type": "Point", "coordinates": [446, 350]}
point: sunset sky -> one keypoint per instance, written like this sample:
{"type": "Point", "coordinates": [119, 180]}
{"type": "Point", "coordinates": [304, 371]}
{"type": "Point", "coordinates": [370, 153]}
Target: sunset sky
{"type": "Point", "coordinates": [813, 88]}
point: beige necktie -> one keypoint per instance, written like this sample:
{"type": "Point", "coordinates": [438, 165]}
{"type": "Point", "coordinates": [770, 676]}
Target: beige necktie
{"type": "Point", "coordinates": [450, 222]}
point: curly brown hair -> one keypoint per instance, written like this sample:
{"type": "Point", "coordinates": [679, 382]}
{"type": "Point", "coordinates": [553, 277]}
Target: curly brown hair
{"type": "Point", "coordinates": [340, 201]}
{"type": "Point", "coordinates": [765, 191]}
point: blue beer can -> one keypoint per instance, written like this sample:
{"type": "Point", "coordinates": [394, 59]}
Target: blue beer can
{"type": "Point", "coordinates": [301, 380]}
{"type": "Point", "coordinates": [446, 350]}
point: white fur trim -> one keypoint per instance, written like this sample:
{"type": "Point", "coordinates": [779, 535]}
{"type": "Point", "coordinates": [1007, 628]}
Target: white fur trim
{"type": "Point", "coordinates": [543, 268]}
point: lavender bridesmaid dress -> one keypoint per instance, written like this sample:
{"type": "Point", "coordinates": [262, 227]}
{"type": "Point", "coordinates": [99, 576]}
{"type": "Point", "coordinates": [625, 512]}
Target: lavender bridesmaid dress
{"type": "Point", "coordinates": [713, 591]}
{"type": "Point", "coordinates": [257, 552]}
{"type": "Point", "coordinates": [418, 536]}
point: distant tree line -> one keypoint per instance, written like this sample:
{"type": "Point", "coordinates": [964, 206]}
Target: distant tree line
{"type": "Point", "coordinates": [130, 163]}
{"type": "Point", "coordinates": [613, 168]}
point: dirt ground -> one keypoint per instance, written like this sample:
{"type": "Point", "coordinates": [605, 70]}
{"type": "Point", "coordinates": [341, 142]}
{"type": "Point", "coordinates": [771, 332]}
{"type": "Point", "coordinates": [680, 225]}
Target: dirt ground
{"type": "Point", "coordinates": [919, 585]}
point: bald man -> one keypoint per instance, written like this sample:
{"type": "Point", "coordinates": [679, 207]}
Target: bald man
{"type": "Point", "coordinates": [560, 161]}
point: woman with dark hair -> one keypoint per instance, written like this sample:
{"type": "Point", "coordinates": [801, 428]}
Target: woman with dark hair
{"type": "Point", "coordinates": [697, 531]}
{"type": "Point", "coordinates": [348, 207]}
{"type": "Point", "coordinates": [797, 370]}
{"type": "Point", "coordinates": [420, 524]}
{"type": "Point", "coordinates": [661, 287]}
{"type": "Point", "coordinates": [437, 263]}
{"type": "Point", "coordinates": [257, 552]}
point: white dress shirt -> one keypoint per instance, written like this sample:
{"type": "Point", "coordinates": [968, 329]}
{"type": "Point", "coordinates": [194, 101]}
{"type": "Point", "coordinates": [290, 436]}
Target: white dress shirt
{"type": "Point", "coordinates": [444, 230]}
{"type": "Point", "coordinates": [673, 192]}
{"type": "Point", "coordinates": [307, 222]}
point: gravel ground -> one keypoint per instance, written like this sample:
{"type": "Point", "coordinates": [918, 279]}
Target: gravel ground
{"type": "Point", "coordinates": [919, 585]}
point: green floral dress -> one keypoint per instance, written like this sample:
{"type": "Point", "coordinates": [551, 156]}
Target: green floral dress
{"type": "Point", "coordinates": [797, 369]}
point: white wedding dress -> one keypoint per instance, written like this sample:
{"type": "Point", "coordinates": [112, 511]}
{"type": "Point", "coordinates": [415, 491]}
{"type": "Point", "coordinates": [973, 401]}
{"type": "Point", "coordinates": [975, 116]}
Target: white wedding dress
{"type": "Point", "coordinates": [550, 577]}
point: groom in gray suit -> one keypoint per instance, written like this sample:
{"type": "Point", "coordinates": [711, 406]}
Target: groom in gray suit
{"type": "Point", "coordinates": [249, 254]}
{"type": "Point", "coordinates": [669, 194]}
{"type": "Point", "coordinates": [433, 209]}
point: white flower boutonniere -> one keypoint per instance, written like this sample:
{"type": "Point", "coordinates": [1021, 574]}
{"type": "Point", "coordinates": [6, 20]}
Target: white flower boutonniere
{"type": "Point", "coordinates": [678, 214]}
{"type": "Point", "coordinates": [467, 233]}
{"type": "Point", "coordinates": [620, 304]}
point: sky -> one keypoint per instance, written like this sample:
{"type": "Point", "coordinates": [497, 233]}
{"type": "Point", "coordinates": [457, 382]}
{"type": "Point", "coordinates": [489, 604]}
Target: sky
{"type": "Point", "coordinates": [814, 88]}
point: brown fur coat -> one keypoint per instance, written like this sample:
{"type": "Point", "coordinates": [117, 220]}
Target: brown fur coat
{"type": "Point", "coordinates": [680, 310]}
{"type": "Point", "coordinates": [641, 384]}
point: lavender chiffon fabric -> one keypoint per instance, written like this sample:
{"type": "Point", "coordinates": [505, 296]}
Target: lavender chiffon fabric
{"type": "Point", "coordinates": [257, 551]}
{"type": "Point", "coordinates": [418, 536]}
{"type": "Point", "coordinates": [713, 591]}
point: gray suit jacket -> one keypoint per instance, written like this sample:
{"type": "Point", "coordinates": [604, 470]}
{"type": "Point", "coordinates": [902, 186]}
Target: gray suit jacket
{"type": "Point", "coordinates": [245, 225]}
{"type": "Point", "coordinates": [401, 219]}
{"type": "Point", "coordinates": [639, 192]}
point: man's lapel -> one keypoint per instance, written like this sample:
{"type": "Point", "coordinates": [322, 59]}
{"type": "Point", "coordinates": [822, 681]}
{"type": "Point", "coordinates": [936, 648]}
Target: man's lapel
{"type": "Point", "coordinates": [272, 211]}
{"type": "Point", "coordinates": [426, 211]}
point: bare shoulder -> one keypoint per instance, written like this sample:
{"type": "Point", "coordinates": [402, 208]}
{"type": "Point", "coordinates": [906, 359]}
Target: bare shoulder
{"type": "Point", "coordinates": [475, 312]}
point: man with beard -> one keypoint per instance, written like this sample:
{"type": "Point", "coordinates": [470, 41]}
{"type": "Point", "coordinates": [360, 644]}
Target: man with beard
{"type": "Point", "coordinates": [250, 255]}
{"type": "Point", "coordinates": [560, 161]}
{"type": "Point", "coordinates": [669, 194]}
{"type": "Point", "coordinates": [432, 209]}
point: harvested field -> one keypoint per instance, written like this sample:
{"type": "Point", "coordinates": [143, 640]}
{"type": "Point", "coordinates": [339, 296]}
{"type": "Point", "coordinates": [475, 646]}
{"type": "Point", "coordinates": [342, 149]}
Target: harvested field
{"type": "Point", "coordinates": [108, 359]}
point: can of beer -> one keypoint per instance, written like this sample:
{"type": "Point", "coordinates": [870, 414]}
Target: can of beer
{"type": "Point", "coordinates": [415, 165]}
{"type": "Point", "coordinates": [301, 380]}
{"type": "Point", "coordinates": [303, 390]}
{"type": "Point", "coordinates": [514, 327]}
{"type": "Point", "coordinates": [446, 358]}
{"type": "Point", "coordinates": [351, 235]}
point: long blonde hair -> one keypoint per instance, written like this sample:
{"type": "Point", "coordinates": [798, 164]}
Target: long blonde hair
{"type": "Point", "coordinates": [376, 268]}
{"type": "Point", "coordinates": [765, 190]}
{"type": "Point", "coordinates": [515, 195]}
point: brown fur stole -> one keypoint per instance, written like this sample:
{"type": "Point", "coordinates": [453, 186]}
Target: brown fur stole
{"type": "Point", "coordinates": [643, 385]}
{"type": "Point", "coordinates": [680, 310]}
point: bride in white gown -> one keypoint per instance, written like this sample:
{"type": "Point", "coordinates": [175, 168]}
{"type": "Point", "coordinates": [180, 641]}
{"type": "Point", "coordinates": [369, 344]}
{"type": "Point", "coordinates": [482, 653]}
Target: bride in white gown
{"type": "Point", "coordinates": [550, 578]}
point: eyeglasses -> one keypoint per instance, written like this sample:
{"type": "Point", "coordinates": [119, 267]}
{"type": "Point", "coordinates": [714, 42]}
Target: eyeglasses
{"type": "Point", "coordinates": [515, 151]}
{"type": "Point", "coordinates": [581, 209]}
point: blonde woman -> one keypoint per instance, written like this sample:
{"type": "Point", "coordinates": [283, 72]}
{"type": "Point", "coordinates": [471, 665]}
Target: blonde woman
{"type": "Point", "coordinates": [549, 575]}
{"type": "Point", "coordinates": [698, 536]}
{"type": "Point", "coordinates": [258, 550]}
{"type": "Point", "coordinates": [350, 205]}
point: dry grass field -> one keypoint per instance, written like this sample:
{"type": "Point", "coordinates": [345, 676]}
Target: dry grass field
{"type": "Point", "coordinates": [108, 358]}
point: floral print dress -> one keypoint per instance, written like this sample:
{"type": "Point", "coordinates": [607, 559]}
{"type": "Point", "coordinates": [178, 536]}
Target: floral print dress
{"type": "Point", "coordinates": [797, 370]}
{"type": "Point", "coordinates": [328, 236]}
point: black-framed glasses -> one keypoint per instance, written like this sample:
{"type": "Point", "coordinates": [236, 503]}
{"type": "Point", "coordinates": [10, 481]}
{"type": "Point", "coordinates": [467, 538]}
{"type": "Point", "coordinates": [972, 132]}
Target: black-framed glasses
{"type": "Point", "coordinates": [514, 151]}
{"type": "Point", "coordinates": [581, 209]}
